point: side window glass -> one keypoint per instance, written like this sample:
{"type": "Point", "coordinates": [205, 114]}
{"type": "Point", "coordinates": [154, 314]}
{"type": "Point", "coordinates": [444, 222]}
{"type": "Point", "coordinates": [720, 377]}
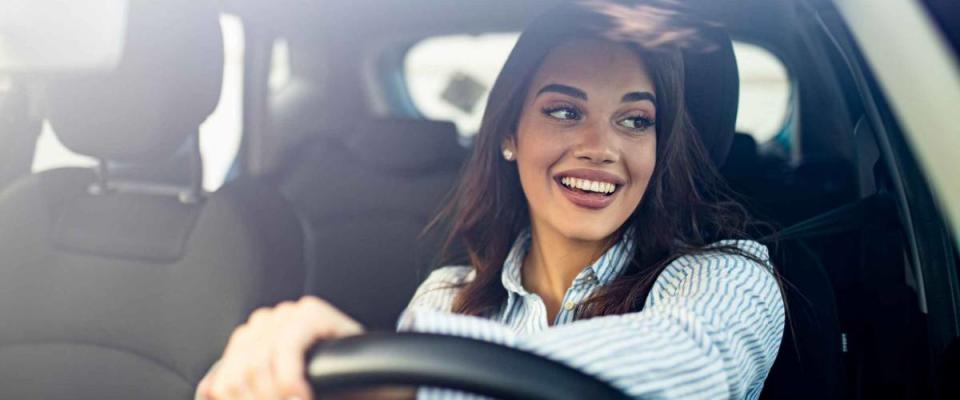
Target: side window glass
{"type": "Point", "coordinates": [449, 77]}
{"type": "Point", "coordinates": [219, 134]}
{"type": "Point", "coordinates": [765, 92]}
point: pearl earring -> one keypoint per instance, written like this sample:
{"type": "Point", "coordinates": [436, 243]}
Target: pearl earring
{"type": "Point", "coordinates": [507, 155]}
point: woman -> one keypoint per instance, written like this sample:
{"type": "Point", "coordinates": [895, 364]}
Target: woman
{"type": "Point", "coordinates": [598, 232]}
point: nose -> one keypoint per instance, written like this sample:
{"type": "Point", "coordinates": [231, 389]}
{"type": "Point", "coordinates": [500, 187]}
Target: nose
{"type": "Point", "coordinates": [596, 144]}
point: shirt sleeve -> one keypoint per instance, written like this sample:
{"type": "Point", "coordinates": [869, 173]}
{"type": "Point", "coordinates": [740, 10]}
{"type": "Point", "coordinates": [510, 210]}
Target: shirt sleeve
{"type": "Point", "coordinates": [710, 328]}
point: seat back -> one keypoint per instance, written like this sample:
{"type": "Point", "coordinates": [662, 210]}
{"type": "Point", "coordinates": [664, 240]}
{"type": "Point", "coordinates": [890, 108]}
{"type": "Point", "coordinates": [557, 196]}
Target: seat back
{"type": "Point", "coordinates": [125, 281]}
{"type": "Point", "coordinates": [809, 363]}
{"type": "Point", "coordinates": [365, 197]}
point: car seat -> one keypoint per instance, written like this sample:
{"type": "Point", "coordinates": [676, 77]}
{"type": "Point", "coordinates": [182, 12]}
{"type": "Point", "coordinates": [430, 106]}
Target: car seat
{"type": "Point", "coordinates": [365, 197]}
{"type": "Point", "coordinates": [124, 281]}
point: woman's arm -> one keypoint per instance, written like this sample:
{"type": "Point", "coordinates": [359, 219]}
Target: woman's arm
{"type": "Point", "coordinates": [711, 328]}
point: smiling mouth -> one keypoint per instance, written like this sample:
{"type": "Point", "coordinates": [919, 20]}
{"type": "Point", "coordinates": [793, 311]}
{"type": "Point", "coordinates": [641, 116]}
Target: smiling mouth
{"type": "Point", "coordinates": [588, 187]}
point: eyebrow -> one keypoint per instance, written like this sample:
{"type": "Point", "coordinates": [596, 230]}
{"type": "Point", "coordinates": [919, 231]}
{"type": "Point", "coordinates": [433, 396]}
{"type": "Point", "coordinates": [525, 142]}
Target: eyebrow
{"type": "Point", "coordinates": [639, 96]}
{"type": "Point", "coordinates": [563, 89]}
{"type": "Point", "coordinates": [580, 94]}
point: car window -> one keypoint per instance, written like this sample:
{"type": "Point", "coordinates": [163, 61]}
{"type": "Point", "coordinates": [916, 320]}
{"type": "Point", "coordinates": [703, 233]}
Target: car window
{"type": "Point", "coordinates": [449, 77]}
{"type": "Point", "coordinates": [219, 134]}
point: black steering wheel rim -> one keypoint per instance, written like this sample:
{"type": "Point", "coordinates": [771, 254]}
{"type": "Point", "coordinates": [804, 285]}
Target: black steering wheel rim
{"type": "Point", "coordinates": [470, 365]}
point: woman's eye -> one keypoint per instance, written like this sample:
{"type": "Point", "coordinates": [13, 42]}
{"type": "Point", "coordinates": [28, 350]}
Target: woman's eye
{"type": "Point", "coordinates": [636, 123]}
{"type": "Point", "coordinates": [563, 113]}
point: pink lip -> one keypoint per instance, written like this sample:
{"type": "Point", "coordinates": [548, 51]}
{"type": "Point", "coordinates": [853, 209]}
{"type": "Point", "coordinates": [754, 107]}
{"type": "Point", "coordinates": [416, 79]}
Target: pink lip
{"type": "Point", "coordinates": [591, 201]}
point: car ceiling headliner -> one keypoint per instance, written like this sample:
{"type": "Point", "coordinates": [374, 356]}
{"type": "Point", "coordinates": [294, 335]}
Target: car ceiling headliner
{"type": "Point", "coordinates": [373, 18]}
{"type": "Point", "coordinates": [392, 15]}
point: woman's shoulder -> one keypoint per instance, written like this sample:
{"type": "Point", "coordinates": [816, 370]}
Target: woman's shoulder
{"type": "Point", "coordinates": [729, 259]}
{"type": "Point", "coordinates": [449, 275]}
{"type": "Point", "coordinates": [729, 252]}
{"type": "Point", "coordinates": [440, 288]}
{"type": "Point", "coordinates": [746, 246]}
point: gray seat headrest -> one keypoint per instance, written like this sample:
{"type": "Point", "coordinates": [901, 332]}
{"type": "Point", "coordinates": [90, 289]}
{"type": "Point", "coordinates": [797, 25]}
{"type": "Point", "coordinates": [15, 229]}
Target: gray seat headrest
{"type": "Point", "coordinates": [167, 83]}
{"type": "Point", "coordinates": [405, 144]}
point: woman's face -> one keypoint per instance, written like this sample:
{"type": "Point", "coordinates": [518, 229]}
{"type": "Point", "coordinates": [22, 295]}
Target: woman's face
{"type": "Point", "coordinates": [586, 141]}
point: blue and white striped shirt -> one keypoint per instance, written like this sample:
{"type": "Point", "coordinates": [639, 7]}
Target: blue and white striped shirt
{"type": "Point", "coordinates": [710, 327]}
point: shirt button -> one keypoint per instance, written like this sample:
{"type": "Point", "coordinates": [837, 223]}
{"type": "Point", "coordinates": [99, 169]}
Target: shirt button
{"type": "Point", "coordinates": [569, 305]}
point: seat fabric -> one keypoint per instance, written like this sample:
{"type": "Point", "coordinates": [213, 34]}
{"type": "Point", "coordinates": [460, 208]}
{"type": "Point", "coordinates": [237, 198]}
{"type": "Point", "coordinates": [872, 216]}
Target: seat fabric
{"type": "Point", "coordinates": [148, 324]}
{"type": "Point", "coordinates": [124, 282]}
{"type": "Point", "coordinates": [365, 199]}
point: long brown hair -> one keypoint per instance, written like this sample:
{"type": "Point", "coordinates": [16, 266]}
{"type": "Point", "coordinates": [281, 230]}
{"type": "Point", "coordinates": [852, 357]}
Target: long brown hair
{"type": "Point", "coordinates": [686, 205]}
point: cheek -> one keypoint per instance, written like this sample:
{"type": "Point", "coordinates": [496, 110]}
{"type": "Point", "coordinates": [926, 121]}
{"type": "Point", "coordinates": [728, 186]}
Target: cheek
{"type": "Point", "coordinates": [538, 150]}
{"type": "Point", "coordinates": [641, 165]}
{"type": "Point", "coordinates": [538, 153]}
{"type": "Point", "coordinates": [535, 159]}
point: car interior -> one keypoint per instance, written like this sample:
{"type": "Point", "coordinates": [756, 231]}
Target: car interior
{"type": "Point", "coordinates": [135, 277]}
{"type": "Point", "coordinates": [124, 279]}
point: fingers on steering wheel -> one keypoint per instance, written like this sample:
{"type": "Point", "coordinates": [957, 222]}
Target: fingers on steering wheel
{"type": "Point", "coordinates": [288, 363]}
{"type": "Point", "coordinates": [245, 370]}
{"type": "Point", "coordinates": [204, 388]}
{"type": "Point", "coordinates": [292, 345]}
{"type": "Point", "coordinates": [264, 357]}
{"type": "Point", "coordinates": [227, 381]}
{"type": "Point", "coordinates": [320, 320]}
{"type": "Point", "coordinates": [260, 377]}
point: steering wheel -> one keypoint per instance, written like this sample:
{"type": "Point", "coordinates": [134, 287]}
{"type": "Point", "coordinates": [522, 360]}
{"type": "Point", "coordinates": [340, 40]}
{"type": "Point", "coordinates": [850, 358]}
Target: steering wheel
{"type": "Point", "coordinates": [450, 362]}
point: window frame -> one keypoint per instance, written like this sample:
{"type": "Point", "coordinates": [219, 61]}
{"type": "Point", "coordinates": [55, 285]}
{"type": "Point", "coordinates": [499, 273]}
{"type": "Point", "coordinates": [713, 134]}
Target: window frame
{"type": "Point", "coordinates": [932, 250]}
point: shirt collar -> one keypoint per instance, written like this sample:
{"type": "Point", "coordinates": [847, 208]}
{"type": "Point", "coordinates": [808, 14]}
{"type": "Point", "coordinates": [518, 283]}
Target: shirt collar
{"type": "Point", "coordinates": [510, 277]}
{"type": "Point", "coordinates": [609, 266]}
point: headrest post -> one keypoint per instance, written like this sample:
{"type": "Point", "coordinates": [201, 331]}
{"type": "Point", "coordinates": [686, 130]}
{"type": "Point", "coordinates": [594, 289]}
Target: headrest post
{"type": "Point", "coordinates": [112, 177]}
{"type": "Point", "coordinates": [99, 186]}
{"type": "Point", "coordinates": [194, 191]}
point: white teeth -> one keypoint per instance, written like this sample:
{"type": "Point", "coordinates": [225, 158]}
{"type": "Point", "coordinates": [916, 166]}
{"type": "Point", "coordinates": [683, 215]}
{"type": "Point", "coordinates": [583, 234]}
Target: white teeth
{"type": "Point", "coordinates": [588, 185]}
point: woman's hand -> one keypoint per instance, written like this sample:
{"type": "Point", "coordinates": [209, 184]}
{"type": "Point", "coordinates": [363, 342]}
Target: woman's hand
{"type": "Point", "coordinates": [264, 358]}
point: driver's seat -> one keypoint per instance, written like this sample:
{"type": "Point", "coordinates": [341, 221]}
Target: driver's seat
{"type": "Point", "coordinates": [125, 281]}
